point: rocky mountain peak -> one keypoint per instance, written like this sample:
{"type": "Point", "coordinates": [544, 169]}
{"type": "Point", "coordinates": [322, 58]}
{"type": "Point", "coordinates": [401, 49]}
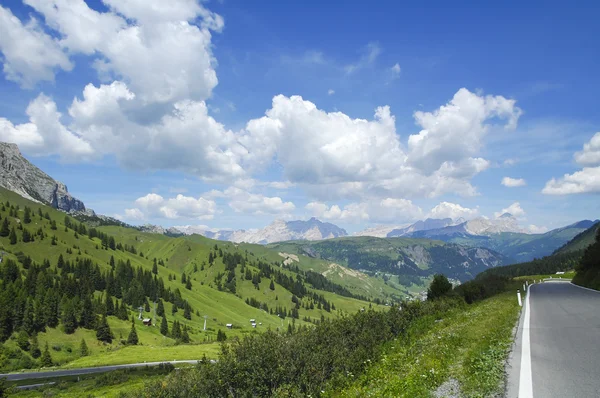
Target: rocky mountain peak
{"type": "Point", "coordinates": [17, 174]}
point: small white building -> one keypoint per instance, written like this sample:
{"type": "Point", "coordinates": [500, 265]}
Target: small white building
{"type": "Point", "coordinates": [229, 325]}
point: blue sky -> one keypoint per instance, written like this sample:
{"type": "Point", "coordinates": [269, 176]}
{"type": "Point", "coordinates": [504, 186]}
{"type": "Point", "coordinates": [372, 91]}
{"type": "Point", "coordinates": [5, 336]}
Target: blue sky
{"type": "Point", "coordinates": [190, 113]}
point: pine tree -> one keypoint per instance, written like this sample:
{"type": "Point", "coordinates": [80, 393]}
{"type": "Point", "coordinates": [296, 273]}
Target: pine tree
{"type": "Point", "coordinates": [13, 236]}
{"type": "Point", "coordinates": [164, 327]}
{"type": "Point", "coordinates": [146, 305]}
{"type": "Point", "coordinates": [221, 336]}
{"type": "Point", "coordinates": [61, 261]}
{"type": "Point", "coordinates": [185, 337]}
{"type": "Point", "coordinates": [112, 262]}
{"type": "Point", "coordinates": [34, 349]}
{"type": "Point", "coordinates": [83, 349]}
{"type": "Point", "coordinates": [108, 303]}
{"type": "Point", "coordinates": [176, 330]}
{"type": "Point", "coordinates": [103, 332]}
{"type": "Point", "coordinates": [188, 284]}
{"type": "Point", "coordinates": [5, 230]}
{"type": "Point", "coordinates": [183, 278]}
{"type": "Point", "coordinates": [28, 323]}
{"type": "Point", "coordinates": [160, 308]}
{"type": "Point", "coordinates": [69, 319]}
{"type": "Point", "coordinates": [174, 309]}
{"type": "Point", "coordinates": [132, 339]}
{"type": "Point", "coordinates": [87, 317]}
{"type": "Point", "coordinates": [155, 267]}
{"type": "Point", "coordinates": [27, 215]}
{"type": "Point", "coordinates": [23, 340]}
{"type": "Point", "coordinates": [187, 313]}
{"type": "Point", "coordinates": [46, 360]}
{"type": "Point", "coordinates": [272, 285]}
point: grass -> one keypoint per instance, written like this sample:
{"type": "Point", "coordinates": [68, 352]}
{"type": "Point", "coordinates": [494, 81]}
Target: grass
{"type": "Point", "coordinates": [179, 255]}
{"type": "Point", "coordinates": [566, 275]}
{"type": "Point", "coordinates": [468, 344]}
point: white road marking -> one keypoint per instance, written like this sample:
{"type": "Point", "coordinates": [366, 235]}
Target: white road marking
{"type": "Point", "coordinates": [586, 288]}
{"type": "Point", "coordinates": [525, 380]}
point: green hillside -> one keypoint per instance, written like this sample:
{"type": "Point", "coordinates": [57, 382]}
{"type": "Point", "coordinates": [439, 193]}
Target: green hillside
{"type": "Point", "coordinates": [57, 273]}
{"type": "Point", "coordinates": [410, 261]}
{"type": "Point", "coordinates": [581, 241]}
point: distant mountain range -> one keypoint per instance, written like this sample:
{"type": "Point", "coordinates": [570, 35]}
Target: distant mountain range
{"type": "Point", "coordinates": [277, 231]}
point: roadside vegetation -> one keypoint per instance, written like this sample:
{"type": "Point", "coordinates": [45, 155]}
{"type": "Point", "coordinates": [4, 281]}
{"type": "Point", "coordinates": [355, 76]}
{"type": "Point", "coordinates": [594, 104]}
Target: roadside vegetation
{"type": "Point", "coordinates": [341, 356]}
{"type": "Point", "coordinates": [588, 271]}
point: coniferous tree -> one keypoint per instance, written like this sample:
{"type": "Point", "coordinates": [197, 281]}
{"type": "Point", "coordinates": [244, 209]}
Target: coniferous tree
{"type": "Point", "coordinates": [5, 229]}
{"type": "Point", "coordinates": [13, 236]}
{"type": "Point", "coordinates": [28, 323]}
{"type": "Point", "coordinates": [46, 359]}
{"type": "Point", "coordinates": [155, 267]}
{"type": "Point", "coordinates": [146, 305]}
{"type": "Point", "coordinates": [272, 285]}
{"type": "Point", "coordinates": [103, 332]}
{"type": "Point", "coordinates": [164, 327]}
{"type": "Point", "coordinates": [176, 330]}
{"type": "Point", "coordinates": [26, 236]}
{"type": "Point", "coordinates": [23, 340]}
{"type": "Point", "coordinates": [27, 215]}
{"type": "Point", "coordinates": [185, 337]}
{"type": "Point", "coordinates": [160, 308]}
{"type": "Point", "coordinates": [132, 339]}
{"type": "Point", "coordinates": [187, 313]}
{"type": "Point", "coordinates": [61, 261]}
{"type": "Point", "coordinates": [109, 305]}
{"type": "Point", "coordinates": [83, 349]}
{"type": "Point", "coordinates": [69, 319]}
{"type": "Point", "coordinates": [87, 316]}
{"type": "Point", "coordinates": [34, 349]}
{"type": "Point", "coordinates": [188, 284]}
{"type": "Point", "coordinates": [112, 262]}
{"type": "Point", "coordinates": [221, 336]}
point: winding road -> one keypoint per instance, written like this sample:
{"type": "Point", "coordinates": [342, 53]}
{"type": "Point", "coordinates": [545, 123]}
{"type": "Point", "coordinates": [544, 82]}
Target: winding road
{"type": "Point", "coordinates": [557, 349]}
{"type": "Point", "coordinates": [82, 371]}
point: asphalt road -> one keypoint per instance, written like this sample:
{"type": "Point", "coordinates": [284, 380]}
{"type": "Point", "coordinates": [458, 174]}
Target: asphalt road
{"type": "Point", "coordinates": [82, 371]}
{"type": "Point", "coordinates": [560, 357]}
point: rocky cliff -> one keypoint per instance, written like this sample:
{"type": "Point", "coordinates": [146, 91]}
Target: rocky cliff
{"type": "Point", "coordinates": [20, 176]}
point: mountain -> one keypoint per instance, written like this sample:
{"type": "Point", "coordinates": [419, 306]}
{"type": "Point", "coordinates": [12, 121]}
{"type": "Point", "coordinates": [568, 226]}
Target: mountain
{"type": "Point", "coordinates": [583, 239]}
{"type": "Point", "coordinates": [380, 231]}
{"type": "Point", "coordinates": [277, 231]}
{"type": "Point", "coordinates": [518, 246]}
{"type": "Point", "coordinates": [17, 174]}
{"type": "Point", "coordinates": [409, 259]}
{"type": "Point", "coordinates": [430, 223]}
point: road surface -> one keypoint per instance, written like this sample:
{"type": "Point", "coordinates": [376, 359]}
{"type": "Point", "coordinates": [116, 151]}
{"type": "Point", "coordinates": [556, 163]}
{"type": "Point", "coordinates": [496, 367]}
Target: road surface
{"type": "Point", "coordinates": [557, 350]}
{"type": "Point", "coordinates": [82, 371]}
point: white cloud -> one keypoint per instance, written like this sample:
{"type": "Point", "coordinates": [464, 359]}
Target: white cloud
{"type": "Point", "coordinates": [453, 211]}
{"type": "Point", "coordinates": [387, 210]}
{"type": "Point", "coordinates": [455, 131]}
{"type": "Point", "coordinates": [513, 182]}
{"type": "Point", "coordinates": [583, 181]}
{"type": "Point", "coordinates": [243, 201]}
{"type": "Point", "coordinates": [534, 229]}
{"type": "Point", "coordinates": [514, 209]}
{"type": "Point", "coordinates": [163, 56]}
{"type": "Point", "coordinates": [586, 180]}
{"type": "Point", "coordinates": [179, 207]}
{"type": "Point", "coordinates": [395, 70]}
{"type": "Point", "coordinates": [510, 162]}
{"type": "Point", "coordinates": [29, 54]}
{"type": "Point", "coordinates": [45, 134]}
{"type": "Point", "coordinates": [368, 57]}
{"type": "Point", "coordinates": [590, 155]}
{"type": "Point", "coordinates": [330, 91]}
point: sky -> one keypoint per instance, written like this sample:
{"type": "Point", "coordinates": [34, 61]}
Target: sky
{"type": "Point", "coordinates": [231, 114]}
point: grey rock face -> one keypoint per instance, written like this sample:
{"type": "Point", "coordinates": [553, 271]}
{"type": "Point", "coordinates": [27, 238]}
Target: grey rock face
{"type": "Point", "coordinates": [17, 174]}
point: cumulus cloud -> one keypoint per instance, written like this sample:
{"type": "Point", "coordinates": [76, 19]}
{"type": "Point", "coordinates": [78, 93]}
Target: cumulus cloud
{"type": "Point", "coordinates": [534, 229]}
{"type": "Point", "coordinates": [453, 211]}
{"type": "Point", "coordinates": [384, 211]}
{"type": "Point", "coordinates": [243, 201]}
{"type": "Point", "coordinates": [513, 182]}
{"type": "Point", "coordinates": [330, 91]}
{"type": "Point", "coordinates": [45, 134]}
{"type": "Point", "coordinates": [585, 180]}
{"type": "Point", "coordinates": [515, 209]}
{"type": "Point", "coordinates": [456, 130]}
{"type": "Point", "coordinates": [29, 54]}
{"type": "Point", "coordinates": [179, 207]}
{"type": "Point", "coordinates": [590, 155]}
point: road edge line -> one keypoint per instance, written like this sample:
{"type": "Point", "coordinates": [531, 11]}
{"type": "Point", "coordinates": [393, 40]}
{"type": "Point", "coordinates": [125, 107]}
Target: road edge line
{"type": "Point", "coordinates": [586, 288]}
{"type": "Point", "coordinates": [525, 377]}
